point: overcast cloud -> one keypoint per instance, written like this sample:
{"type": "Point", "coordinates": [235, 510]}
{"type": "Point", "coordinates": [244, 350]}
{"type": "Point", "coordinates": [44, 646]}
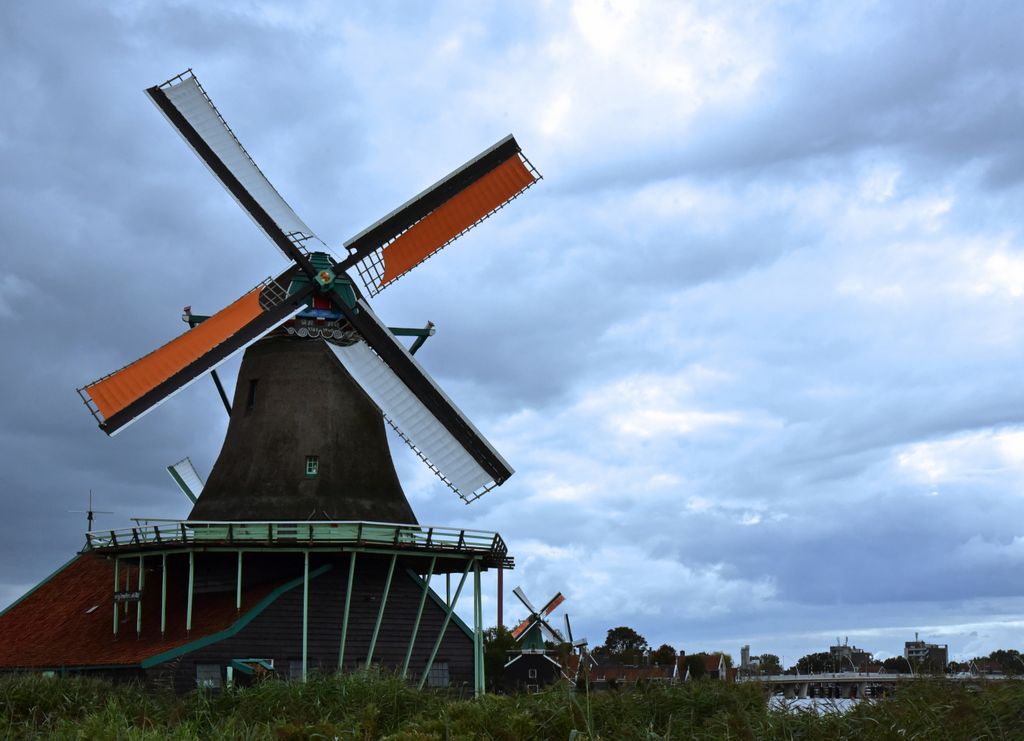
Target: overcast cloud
{"type": "Point", "coordinates": [753, 345]}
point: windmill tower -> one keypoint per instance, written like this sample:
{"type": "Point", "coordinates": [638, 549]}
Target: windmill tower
{"type": "Point", "coordinates": [301, 551]}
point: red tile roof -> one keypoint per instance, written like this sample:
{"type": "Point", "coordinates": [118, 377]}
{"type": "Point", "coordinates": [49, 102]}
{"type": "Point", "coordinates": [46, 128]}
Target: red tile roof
{"type": "Point", "coordinates": [712, 662]}
{"type": "Point", "coordinates": [53, 626]}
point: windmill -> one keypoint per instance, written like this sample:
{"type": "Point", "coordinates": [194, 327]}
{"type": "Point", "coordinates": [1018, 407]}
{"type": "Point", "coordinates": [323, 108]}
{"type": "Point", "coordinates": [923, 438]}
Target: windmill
{"type": "Point", "coordinates": [585, 660]}
{"type": "Point", "coordinates": [533, 666]}
{"type": "Point", "coordinates": [301, 550]}
{"type": "Point", "coordinates": [530, 632]}
{"type": "Point", "coordinates": [317, 298]}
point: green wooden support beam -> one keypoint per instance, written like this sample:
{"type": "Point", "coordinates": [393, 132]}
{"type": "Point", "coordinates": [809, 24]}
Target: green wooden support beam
{"type": "Point", "coordinates": [380, 612]}
{"type": "Point", "coordinates": [191, 585]}
{"type": "Point", "coordinates": [419, 614]}
{"type": "Point", "coordinates": [163, 596]}
{"type": "Point", "coordinates": [238, 584]}
{"type": "Point", "coordinates": [444, 625]}
{"type": "Point", "coordinates": [138, 605]}
{"type": "Point", "coordinates": [117, 587]}
{"type": "Point", "coordinates": [348, 604]}
{"type": "Point", "coordinates": [305, 613]}
{"type": "Point", "coordinates": [478, 633]}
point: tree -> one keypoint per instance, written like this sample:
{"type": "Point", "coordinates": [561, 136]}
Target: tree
{"type": "Point", "coordinates": [695, 665]}
{"type": "Point", "coordinates": [815, 663]}
{"type": "Point", "coordinates": [770, 664]}
{"type": "Point", "coordinates": [498, 642]}
{"type": "Point", "coordinates": [665, 654]}
{"type": "Point", "coordinates": [1009, 660]}
{"type": "Point", "coordinates": [624, 645]}
{"type": "Point", "coordinates": [896, 665]}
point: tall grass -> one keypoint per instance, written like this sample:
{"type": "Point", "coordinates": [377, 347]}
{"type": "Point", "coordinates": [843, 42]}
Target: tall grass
{"type": "Point", "coordinates": [379, 706]}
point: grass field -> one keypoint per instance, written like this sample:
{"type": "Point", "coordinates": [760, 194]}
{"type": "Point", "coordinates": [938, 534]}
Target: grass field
{"type": "Point", "coordinates": [382, 707]}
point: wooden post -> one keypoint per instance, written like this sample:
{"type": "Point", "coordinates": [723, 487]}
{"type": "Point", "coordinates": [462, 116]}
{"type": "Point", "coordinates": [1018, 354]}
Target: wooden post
{"type": "Point", "coordinates": [478, 632]}
{"type": "Point", "coordinates": [501, 596]}
{"type": "Point", "coordinates": [117, 587]}
{"type": "Point", "coordinates": [191, 584]}
{"type": "Point", "coordinates": [348, 603]}
{"type": "Point", "coordinates": [138, 605]}
{"type": "Point", "coordinates": [380, 612]}
{"type": "Point", "coordinates": [238, 584]}
{"type": "Point", "coordinates": [419, 614]}
{"type": "Point", "coordinates": [305, 612]}
{"type": "Point", "coordinates": [163, 597]}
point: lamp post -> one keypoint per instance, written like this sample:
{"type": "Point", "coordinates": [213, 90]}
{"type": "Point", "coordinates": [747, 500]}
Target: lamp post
{"type": "Point", "coordinates": [910, 665]}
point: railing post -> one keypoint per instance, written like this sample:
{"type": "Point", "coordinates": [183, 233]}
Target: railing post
{"type": "Point", "coordinates": [380, 612]}
{"type": "Point", "coordinates": [419, 614]}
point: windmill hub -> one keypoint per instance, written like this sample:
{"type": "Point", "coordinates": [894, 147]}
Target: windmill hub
{"type": "Point", "coordinates": [325, 278]}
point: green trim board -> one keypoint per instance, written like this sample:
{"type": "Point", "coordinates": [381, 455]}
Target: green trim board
{"type": "Point", "coordinates": [75, 668]}
{"type": "Point", "coordinates": [440, 603]}
{"type": "Point", "coordinates": [33, 590]}
{"type": "Point", "coordinates": [235, 627]}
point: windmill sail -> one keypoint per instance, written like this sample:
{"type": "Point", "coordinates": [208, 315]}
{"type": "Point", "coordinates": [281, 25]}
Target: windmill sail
{"type": "Point", "coordinates": [414, 231]}
{"type": "Point", "coordinates": [187, 478]}
{"type": "Point", "coordinates": [125, 395]}
{"type": "Point", "coordinates": [419, 411]}
{"type": "Point", "coordinates": [189, 109]}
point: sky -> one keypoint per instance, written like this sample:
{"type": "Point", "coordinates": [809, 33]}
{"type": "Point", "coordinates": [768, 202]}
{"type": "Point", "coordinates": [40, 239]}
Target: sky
{"type": "Point", "coordinates": [751, 345]}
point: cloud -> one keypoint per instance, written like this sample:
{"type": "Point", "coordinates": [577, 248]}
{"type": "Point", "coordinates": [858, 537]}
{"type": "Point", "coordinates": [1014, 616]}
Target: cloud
{"type": "Point", "coordinates": [764, 304]}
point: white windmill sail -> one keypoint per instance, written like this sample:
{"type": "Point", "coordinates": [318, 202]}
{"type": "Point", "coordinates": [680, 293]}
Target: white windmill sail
{"type": "Point", "coordinates": [187, 478]}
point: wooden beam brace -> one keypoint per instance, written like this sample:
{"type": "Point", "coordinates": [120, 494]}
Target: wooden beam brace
{"type": "Point", "coordinates": [419, 614]}
{"type": "Point", "coordinates": [348, 604]}
{"type": "Point", "coordinates": [444, 625]}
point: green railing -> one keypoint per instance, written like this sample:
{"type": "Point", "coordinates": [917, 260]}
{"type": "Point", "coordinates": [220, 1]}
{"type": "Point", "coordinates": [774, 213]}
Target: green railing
{"type": "Point", "coordinates": [150, 534]}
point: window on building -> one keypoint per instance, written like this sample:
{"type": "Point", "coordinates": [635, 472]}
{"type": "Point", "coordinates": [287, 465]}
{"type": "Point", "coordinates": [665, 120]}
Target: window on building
{"type": "Point", "coordinates": [531, 674]}
{"type": "Point", "coordinates": [295, 669]}
{"type": "Point", "coordinates": [250, 399]}
{"type": "Point", "coordinates": [312, 465]}
{"type": "Point", "coordinates": [438, 676]}
{"type": "Point", "coordinates": [208, 676]}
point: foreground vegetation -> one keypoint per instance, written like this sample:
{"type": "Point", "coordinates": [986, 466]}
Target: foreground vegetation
{"type": "Point", "coordinates": [374, 706]}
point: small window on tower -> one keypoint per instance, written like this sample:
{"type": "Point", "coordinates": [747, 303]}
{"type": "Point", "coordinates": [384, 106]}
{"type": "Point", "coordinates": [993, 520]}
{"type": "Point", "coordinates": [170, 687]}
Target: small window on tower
{"type": "Point", "coordinates": [312, 465]}
{"type": "Point", "coordinates": [250, 400]}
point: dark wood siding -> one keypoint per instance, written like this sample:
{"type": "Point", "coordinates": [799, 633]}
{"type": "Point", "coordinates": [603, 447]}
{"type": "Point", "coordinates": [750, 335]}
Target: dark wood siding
{"type": "Point", "coordinates": [276, 633]}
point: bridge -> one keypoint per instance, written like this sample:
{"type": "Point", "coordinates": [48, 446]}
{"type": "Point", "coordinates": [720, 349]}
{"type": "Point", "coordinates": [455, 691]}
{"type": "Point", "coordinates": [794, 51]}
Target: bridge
{"type": "Point", "coordinates": [845, 684]}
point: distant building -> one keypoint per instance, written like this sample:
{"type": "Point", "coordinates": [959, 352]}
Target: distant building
{"type": "Point", "coordinates": [919, 653]}
{"type": "Point", "coordinates": [714, 666]}
{"type": "Point", "coordinates": [846, 657]}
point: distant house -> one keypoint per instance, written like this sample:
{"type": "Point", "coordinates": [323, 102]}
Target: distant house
{"type": "Point", "coordinates": [610, 674]}
{"type": "Point", "coordinates": [530, 670]}
{"type": "Point", "coordinates": [714, 666]}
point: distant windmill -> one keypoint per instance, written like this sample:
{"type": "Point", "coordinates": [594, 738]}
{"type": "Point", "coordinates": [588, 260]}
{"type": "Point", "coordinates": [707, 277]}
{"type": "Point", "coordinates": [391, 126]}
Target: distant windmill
{"type": "Point", "coordinates": [89, 513]}
{"type": "Point", "coordinates": [530, 632]}
{"type": "Point", "coordinates": [585, 659]}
